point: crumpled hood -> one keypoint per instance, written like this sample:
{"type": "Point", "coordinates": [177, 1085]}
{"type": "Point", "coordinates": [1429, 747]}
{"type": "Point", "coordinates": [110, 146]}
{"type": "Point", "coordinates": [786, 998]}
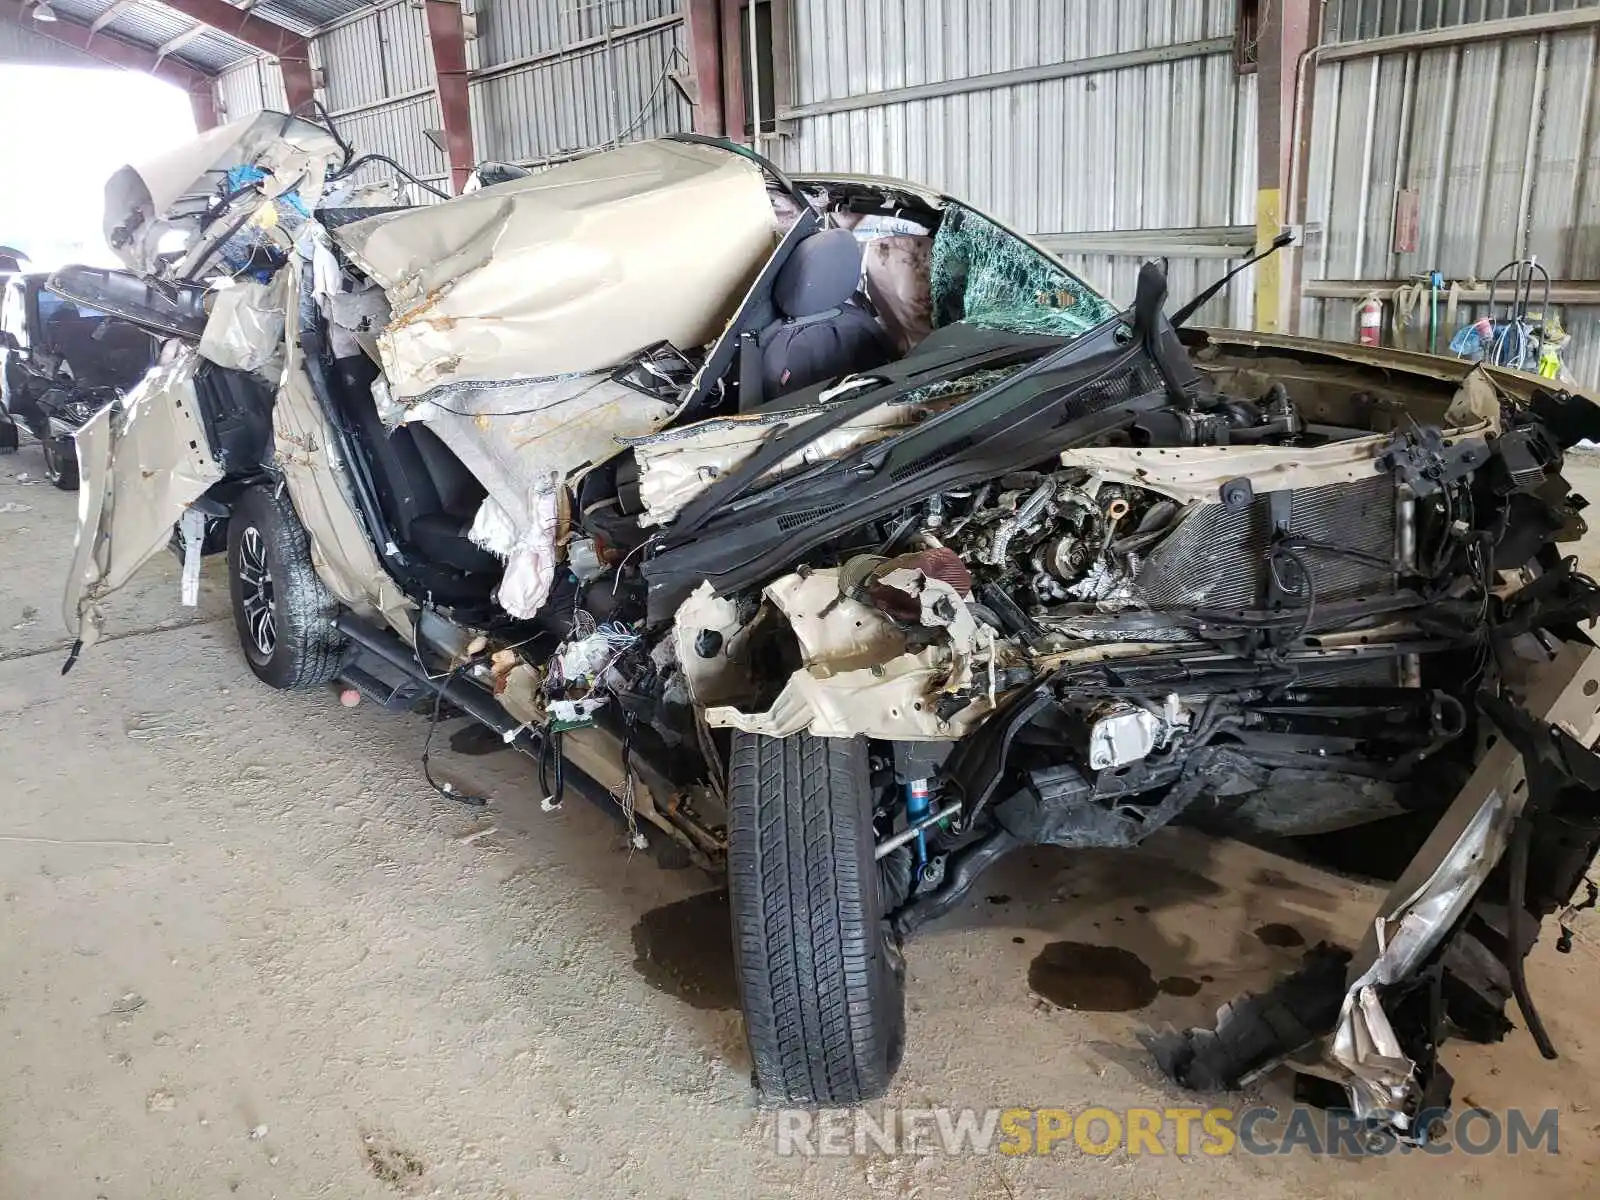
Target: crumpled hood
{"type": "Point", "coordinates": [569, 270]}
{"type": "Point", "coordinates": [147, 201]}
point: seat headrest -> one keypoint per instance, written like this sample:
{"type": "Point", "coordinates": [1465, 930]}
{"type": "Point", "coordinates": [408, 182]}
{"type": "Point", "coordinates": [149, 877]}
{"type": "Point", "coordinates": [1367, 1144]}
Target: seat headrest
{"type": "Point", "coordinates": [822, 273]}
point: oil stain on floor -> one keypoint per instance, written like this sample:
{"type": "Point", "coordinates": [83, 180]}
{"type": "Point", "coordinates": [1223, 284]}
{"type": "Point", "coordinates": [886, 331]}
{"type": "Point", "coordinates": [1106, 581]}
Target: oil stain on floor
{"type": "Point", "coordinates": [685, 949]}
{"type": "Point", "coordinates": [1092, 978]}
{"type": "Point", "coordinates": [1278, 934]}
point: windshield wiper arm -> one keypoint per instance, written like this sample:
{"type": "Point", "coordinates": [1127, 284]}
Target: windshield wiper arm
{"type": "Point", "coordinates": [1188, 310]}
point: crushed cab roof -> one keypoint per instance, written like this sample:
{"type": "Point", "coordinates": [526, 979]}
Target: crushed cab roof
{"type": "Point", "coordinates": [568, 270]}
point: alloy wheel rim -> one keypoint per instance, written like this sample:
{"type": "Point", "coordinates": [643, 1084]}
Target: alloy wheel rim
{"type": "Point", "coordinates": [256, 591]}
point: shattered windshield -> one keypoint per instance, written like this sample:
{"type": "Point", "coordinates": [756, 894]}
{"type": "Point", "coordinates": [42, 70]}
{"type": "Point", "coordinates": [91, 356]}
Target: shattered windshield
{"type": "Point", "coordinates": [987, 276]}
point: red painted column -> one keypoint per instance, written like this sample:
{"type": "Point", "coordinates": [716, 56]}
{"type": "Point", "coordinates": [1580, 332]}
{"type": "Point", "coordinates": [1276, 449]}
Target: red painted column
{"type": "Point", "coordinates": [449, 42]}
{"type": "Point", "coordinates": [733, 99]}
{"type": "Point", "coordinates": [1285, 73]}
{"type": "Point", "coordinates": [703, 25]}
{"type": "Point", "coordinates": [203, 101]}
{"type": "Point", "coordinates": [297, 84]}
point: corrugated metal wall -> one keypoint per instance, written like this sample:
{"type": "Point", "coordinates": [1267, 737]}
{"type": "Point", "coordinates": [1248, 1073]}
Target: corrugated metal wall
{"type": "Point", "coordinates": [1167, 145]}
{"type": "Point", "coordinates": [19, 44]}
{"type": "Point", "coordinates": [1499, 139]}
{"type": "Point", "coordinates": [556, 85]}
{"type": "Point", "coordinates": [1159, 145]}
{"type": "Point", "coordinates": [551, 78]}
{"type": "Point", "coordinates": [249, 87]}
{"type": "Point", "coordinates": [1348, 20]}
{"type": "Point", "coordinates": [378, 85]}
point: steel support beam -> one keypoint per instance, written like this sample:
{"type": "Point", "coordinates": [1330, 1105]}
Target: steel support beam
{"type": "Point", "coordinates": [1069, 69]}
{"type": "Point", "coordinates": [1460, 35]}
{"type": "Point", "coordinates": [1198, 241]}
{"type": "Point", "coordinates": [703, 32]}
{"type": "Point", "coordinates": [249, 29]}
{"type": "Point", "coordinates": [733, 100]}
{"type": "Point", "coordinates": [115, 52]}
{"type": "Point", "coordinates": [448, 38]}
{"type": "Point", "coordinates": [117, 8]}
{"type": "Point", "coordinates": [1584, 292]}
{"type": "Point", "coordinates": [291, 50]}
{"type": "Point", "coordinates": [1283, 122]}
{"type": "Point", "coordinates": [173, 44]}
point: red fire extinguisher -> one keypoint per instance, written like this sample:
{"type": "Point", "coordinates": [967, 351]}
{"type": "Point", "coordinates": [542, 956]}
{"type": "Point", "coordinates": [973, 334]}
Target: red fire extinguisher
{"type": "Point", "coordinates": [1369, 321]}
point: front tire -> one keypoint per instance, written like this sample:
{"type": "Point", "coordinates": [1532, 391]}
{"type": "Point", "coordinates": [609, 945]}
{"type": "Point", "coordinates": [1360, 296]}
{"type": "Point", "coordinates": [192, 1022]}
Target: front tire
{"type": "Point", "coordinates": [820, 973]}
{"type": "Point", "coordinates": [283, 612]}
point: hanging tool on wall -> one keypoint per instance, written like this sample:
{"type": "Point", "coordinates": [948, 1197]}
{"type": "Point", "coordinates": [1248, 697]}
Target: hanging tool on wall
{"type": "Point", "coordinates": [1517, 340]}
{"type": "Point", "coordinates": [1553, 342]}
{"type": "Point", "coordinates": [1435, 286]}
{"type": "Point", "coordinates": [1416, 303]}
{"type": "Point", "coordinates": [1512, 333]}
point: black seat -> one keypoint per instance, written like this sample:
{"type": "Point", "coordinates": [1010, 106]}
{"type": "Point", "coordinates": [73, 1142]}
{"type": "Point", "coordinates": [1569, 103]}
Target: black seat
{"type": "Point", "coordinates": [442, 535]}
{"type": "Point", "coordinates": [821, 332]}
{"type": "Point", "coordinates": [428, 497]}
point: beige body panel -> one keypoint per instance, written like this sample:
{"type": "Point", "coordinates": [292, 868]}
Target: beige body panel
{"type": "Point", "coordinates": [1195, 474]}
{"type": "Point", "coordinates": [312, 470]}
{"type": "Point", "coordinates": [569, 270]}
{"type": "Point", "coordinates": [141, 462]}
{"type": "Point", "coordinates": [857, 675]}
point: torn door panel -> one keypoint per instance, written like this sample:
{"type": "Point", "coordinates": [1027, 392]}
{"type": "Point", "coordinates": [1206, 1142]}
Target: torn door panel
{"type": "Point", "coordinates": [569, 270]}
{"type": "Point", "coordinates": [307, 457]}
{"type": "Point", "coordinates": [142, 461]}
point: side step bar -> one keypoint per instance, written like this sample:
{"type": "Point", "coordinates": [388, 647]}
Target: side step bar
{"type": "Point", "coordinates": [464, 694]}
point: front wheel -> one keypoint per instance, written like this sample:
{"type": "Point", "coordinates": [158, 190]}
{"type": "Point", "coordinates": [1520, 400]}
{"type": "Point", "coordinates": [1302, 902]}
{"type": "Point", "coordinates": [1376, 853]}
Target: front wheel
{"type": "Point", "coordinates": [820, 973]}
{"type": "Point", "coordinates": [283, 612]}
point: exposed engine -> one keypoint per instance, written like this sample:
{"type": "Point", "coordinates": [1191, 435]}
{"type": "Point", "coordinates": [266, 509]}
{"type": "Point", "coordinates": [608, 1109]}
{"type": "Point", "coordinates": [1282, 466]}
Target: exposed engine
{"type": "Point", "coordinates": [1055, 536]}
{"type": "Point", "coordinates": [1050, 537]}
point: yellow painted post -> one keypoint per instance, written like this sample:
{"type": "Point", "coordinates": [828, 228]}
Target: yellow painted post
{"type": "Point", "coordinates": [1269, 271]}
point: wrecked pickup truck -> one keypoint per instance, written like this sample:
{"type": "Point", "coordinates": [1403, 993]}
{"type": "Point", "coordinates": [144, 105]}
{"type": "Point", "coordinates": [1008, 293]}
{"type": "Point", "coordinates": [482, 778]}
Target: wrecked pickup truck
{"type": "Point", "coordinates": [848, 541]}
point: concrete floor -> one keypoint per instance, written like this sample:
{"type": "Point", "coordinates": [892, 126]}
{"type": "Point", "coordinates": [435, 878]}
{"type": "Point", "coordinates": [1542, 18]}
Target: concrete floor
{"type": "Point", "coordinates": [245, 950]}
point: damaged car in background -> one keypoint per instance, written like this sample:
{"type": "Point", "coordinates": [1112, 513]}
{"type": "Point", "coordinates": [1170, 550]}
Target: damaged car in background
{"type": "Point", "coordinates": [61, 360]}
{"type": "Point", "coordinates": [847, 542]}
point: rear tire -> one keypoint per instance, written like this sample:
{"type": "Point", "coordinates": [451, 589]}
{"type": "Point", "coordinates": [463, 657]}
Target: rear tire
{"type": "Point", "coordinates": [283, 612]}
{"type": "Point", "coordinates": [821, 977]}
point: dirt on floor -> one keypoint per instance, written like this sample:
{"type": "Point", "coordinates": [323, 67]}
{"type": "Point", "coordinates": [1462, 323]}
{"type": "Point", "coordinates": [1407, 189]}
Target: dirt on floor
{"type": "Point", "coordinates": [245, 950]}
